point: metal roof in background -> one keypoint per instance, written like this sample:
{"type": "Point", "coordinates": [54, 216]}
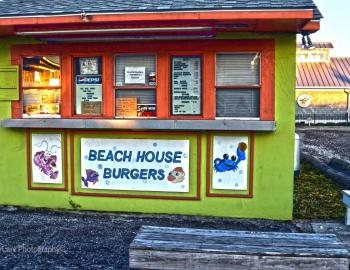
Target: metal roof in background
{"type": "Point", "coordinates": [333, 74]}
{"type": "Point", "coordinates": [13, 8]}
{"type": "Point", "coordinates": [319, 45]}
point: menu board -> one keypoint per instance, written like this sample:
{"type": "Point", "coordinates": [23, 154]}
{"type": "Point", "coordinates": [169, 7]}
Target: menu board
{"type": "Point", "coordinates": [88, 88]}
{"type": "Point", "coordinates": [186, 85]}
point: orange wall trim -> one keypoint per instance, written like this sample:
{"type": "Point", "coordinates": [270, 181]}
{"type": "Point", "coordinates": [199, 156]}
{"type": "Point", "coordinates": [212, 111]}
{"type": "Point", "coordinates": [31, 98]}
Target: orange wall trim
{"type": "Point", "coordinates": [163, 16]}
{"type": "Point", "coordinates": [163, 51]}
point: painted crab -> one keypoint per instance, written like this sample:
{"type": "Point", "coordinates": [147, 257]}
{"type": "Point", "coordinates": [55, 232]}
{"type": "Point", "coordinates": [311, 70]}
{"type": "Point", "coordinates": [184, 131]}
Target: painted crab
{"type": "Point", "coordinates": [46, 163]}
{"type": "Point", "coordinates": [226, 164]}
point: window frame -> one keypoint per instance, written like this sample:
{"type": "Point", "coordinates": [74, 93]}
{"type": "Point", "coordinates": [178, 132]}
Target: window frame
{"type": "Point", "coordinates": [163, 50]}
{"type": "Point", "coordinates": [73, 85]}
{"type": "Point", "coordinates": [21, 87]}
{"type": "Point", "coordinates": [233, 87]}
{"type": "Point", "coordinates": [134, 86]}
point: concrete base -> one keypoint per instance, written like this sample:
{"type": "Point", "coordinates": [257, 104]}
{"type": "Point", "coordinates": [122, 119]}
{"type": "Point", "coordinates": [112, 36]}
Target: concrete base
{"type": "Point", "coordinates": [346, 201]}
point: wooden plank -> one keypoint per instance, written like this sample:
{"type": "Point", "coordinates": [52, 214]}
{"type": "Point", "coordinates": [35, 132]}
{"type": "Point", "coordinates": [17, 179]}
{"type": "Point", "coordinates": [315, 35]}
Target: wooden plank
{"type": "Point", "coordinates": [212, 248]}
{"type": "Point", "coordinates": [235, 233]}
{"type": "Point", "coordinates": [183, 260]}
{"type": "Point", "coordinates": [228, 240]}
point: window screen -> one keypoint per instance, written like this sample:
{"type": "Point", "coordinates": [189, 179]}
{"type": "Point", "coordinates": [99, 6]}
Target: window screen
{"type": "Point", "coordinates": [237, 103]}
{"type": "Point", "coordinates": [233, 71]}
{"type": "Point", "coordinates": [136, 103]}
{"type": "Point", "coordinates": [238, 69]}
{"type": "Point", "coordinates": [128, 61]}
{"type": "Point", "coordinates": [144, 96]}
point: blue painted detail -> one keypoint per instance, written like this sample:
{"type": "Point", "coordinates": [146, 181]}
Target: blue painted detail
{"type": "Point", "coordinates": [226, 164]}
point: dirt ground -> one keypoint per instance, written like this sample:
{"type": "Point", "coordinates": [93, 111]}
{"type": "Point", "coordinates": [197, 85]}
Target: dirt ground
{"type": "Point", "coordinates": [46, 239]}
{"type": "Point", "coordinates": [326, 143]}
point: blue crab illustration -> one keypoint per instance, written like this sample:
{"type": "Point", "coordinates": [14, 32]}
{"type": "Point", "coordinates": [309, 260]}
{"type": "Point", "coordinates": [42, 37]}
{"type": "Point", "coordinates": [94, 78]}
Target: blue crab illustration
{"type": "Point", "coordinates": [226, 164]}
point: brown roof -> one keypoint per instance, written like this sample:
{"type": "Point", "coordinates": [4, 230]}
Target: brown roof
{"type": "Point", "coordinates": [333, 74]}
{"type": "Point", "coordinates": [318, 45]}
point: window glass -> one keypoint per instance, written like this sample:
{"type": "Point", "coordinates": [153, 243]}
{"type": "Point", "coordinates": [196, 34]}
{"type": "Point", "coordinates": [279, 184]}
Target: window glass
{"type": "Point", "coordinates": [186, 85]}
{"type": "Point", "coordinates": [237, 102]}
{"type": "Point", "coordinates": [41, 83]}
{"type": "Point", "coordinates": [88, 85]}
{"type": "Point", "coordinates": [238, 85]}
{"type": "Point", "coordinates": [135, 85]}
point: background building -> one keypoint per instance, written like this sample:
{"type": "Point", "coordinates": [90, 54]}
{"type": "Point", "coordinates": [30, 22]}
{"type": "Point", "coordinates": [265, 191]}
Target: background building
{"type": "Point", "coordinates": [323, 85]}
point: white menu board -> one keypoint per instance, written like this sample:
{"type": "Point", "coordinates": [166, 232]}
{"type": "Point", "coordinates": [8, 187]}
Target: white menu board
{"type": "Point", "coordinates": [186, 85]}
{"type": "Point", "coordinates": [88, 88]}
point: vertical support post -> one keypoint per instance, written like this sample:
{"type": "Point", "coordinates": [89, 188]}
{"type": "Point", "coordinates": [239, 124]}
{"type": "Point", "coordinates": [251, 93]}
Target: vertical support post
{"type": "Point", "coordinates": [347, 91]}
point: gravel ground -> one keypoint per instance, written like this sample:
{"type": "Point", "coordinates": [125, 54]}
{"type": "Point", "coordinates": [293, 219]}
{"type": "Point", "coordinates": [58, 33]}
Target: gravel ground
{"type": "Point", "coordinates": [48, 239]}
{"type": "Point", "coordinates": [326, 143]}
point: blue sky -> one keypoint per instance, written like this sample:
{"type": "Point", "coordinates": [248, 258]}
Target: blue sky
{"type": "Point", "coordinates": [335, 26]}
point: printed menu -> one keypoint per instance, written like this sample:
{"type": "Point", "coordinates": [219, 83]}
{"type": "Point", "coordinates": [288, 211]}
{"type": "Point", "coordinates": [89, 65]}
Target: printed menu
{"type": "Point", "coordinates": [186, 85]}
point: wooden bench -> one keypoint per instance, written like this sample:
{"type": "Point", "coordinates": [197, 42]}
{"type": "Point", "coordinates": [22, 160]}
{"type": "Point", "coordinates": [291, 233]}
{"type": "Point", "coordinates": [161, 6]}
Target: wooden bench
{"type": "Point", "coordinates": [184, 248]}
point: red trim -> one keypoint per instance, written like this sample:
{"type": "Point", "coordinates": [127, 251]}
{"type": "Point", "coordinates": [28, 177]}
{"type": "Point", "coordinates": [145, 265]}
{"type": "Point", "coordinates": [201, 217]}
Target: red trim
{"type": "Point", "coordinates": [312, 26]}
{"type": "Point", "coordinates": [199, 157]}
{"type": "Point", "coordinates": [209, 171]}
{"type": "Point", "coordinates": [164, 16]}
{"type": "Point", "coordinates": [163, 50]}
{"type": "Point", "coordinates": [64, 167]}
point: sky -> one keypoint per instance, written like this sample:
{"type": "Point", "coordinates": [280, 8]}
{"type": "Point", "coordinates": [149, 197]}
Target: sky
{"type": "Point", "coordinates": [335, 26]}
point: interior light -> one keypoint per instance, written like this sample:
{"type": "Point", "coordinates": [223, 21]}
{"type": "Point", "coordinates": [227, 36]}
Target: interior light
{"type": "Point", "coordinates": [37, 76]}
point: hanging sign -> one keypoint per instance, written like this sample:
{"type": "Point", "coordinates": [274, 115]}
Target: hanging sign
{"type": "Point", "coordinates": [46, 158]}
{"type": "Point", "coordinates": [135, 75]}
{"type": "Point", "coordinates": [186, 85]}
{"type": "Point", "coordinates": [88, 89]}
{"type": "Point", "coordinates": [135, 164]}
{"type": "Point", "coordinates": [230, 158]}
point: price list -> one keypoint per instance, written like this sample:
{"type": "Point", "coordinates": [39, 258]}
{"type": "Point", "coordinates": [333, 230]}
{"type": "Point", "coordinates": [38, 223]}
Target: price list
{"type": "Point", "coordinates": [186, 85]}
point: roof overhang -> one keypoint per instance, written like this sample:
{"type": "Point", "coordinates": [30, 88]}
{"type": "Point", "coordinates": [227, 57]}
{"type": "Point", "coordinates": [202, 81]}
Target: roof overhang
{"type": "Point", "coordinates": [176, 22]}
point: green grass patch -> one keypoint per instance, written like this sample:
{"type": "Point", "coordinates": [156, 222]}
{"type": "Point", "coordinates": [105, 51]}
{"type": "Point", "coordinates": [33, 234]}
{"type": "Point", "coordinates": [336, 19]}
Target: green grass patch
{"type": "Point", "coordinates": [316, 196]}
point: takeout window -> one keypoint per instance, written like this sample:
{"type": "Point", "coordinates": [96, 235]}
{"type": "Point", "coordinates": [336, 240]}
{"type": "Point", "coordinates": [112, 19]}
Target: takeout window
{"type": "Point", "coordinates": [207, 79]}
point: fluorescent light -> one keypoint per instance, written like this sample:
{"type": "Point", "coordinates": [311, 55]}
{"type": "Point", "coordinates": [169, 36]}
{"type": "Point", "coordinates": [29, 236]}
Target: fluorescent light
{"type": "Point", "coordinates": [124, 38]}
{"type": "Point", "coordinates": [113, 30]}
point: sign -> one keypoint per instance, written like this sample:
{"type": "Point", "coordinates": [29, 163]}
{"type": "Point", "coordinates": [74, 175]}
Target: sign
{"type": "Point", "coordinates": [46, 155]}
{"type": "Point", "coordinates": [126, 107]}
{"type": "Point", "coordinates": [91, 107]}
{"type": "Point", "coordinates": [230, 163]}
{"type": "Point", "coordinates": [146, 110]}
{"type": "Point", "coordinates": [135, 75]}
{"type": "Point", "coordinates": [88, 88]}
{"type": "Point", "coordinates": [186, 85]}
{"type": "Point", "coordinates": [304, 100]}
{"type": "Point", "coordinates": [135, 164]}
{"type": "Point", "coordinates": [88, 66]}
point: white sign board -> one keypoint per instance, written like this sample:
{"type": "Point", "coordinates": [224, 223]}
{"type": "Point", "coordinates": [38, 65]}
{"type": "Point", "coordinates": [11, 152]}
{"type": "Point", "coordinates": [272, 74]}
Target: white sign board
{"type": "Point", "coordinates": [304, 100]}
{"type": "Point", "coordinates": [186, 85]}
{"type": "Point", "coordinates": [88, 88]}
{"type": "Point", "coordinates": [46, 155]}
{"type": "Point", "coordinates": [135, 75]}
{"type": "Point", "coordinates": [135, 164]}
{"type": "Point", "coordinates": [230, 158]}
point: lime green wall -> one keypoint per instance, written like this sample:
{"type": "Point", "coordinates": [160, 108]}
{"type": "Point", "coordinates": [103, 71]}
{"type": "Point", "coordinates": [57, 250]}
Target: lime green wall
{"type": "Point", "coordinates": [273, 170]}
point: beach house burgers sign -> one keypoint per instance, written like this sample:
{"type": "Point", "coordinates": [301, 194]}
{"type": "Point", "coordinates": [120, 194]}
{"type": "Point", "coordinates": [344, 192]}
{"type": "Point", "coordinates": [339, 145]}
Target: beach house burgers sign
{"type": "Point", "coordinates": [135, 164]}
